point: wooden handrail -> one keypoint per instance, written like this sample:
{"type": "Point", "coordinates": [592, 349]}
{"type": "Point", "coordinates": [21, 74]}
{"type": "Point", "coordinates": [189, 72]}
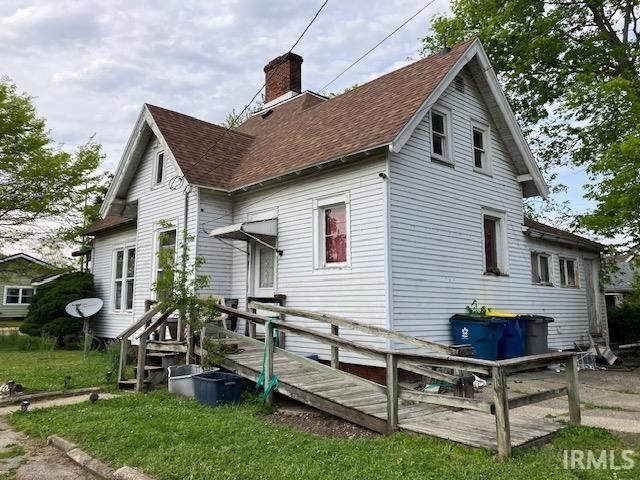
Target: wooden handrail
{"type": "Point", "coordinates": [354, 325]}
{"type": "Point", "coordinates": [141, 321]}
{"type": "Point", "coordinates": [155, 324]}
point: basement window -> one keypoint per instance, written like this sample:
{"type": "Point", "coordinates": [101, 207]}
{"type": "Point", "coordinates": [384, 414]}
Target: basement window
{"type": "Point", "coordinates": [540, 269]}
{"type": "Point", "coordinates": [568, 272]}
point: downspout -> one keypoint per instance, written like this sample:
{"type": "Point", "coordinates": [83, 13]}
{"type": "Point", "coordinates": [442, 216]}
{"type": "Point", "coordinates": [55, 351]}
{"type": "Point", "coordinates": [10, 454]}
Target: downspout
{"type": "Point", "coordinates": [386, 205]}
{"type": "Point", "coordinates": [183, 265]}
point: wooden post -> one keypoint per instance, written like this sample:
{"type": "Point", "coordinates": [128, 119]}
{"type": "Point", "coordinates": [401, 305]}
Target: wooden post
{"type": "Point", "coordinates": [283, 334]}
{"type": "Point", "coordinates": [335, 351]}
{"type": "Point", "coordinates": [122, 367]}
{"type": "Point", "coordinates": [392, 392]}
{"type": "Point", "coordinates": [573, 391]}
{"type": "Point", "coordinates": [142, 360]}
{"type": "Point", "coordinates": [501, 403]}
{"type": "Point", "coordinates": [268, 366]}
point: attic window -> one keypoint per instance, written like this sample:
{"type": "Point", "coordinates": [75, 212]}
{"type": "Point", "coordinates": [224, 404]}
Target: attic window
{"type": "Point", "coordinates": [459, 84]}
{"type": "Point", "coordinates": [158, 176]}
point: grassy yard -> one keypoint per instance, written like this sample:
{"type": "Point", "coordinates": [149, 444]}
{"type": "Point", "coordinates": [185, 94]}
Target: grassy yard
{"type": "Point", "coordinates": [175, 438]}
{"type": "Point", "coordinates": [45, 369]}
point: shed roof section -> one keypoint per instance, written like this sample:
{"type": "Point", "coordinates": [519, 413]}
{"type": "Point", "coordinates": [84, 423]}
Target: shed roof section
{"type": "Point", "coordinates": [110, 221]}
{"type": "Point", "coordinates": [550, 233]}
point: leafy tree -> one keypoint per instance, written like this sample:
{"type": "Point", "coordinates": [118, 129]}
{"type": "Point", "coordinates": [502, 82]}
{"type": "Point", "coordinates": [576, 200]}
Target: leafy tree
{"type": "Point", "coordinates": [234, 119]}
{"type": "Point", "coordinates": [38, 181]}
{"type": "Point", "coordinates": [571, 71]}
{"type": "Point", "coordinates": [47, 315]}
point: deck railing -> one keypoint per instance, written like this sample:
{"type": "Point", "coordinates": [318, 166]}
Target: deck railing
{"type": "Point", "coordinates": [422, 363]}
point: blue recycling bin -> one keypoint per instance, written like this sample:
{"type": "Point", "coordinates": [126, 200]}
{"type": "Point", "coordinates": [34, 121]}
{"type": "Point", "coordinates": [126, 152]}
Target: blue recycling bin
{"type": "Point", "coordinates": [512, 343]}
{"type": "Point", "coordinates": [483, 333]}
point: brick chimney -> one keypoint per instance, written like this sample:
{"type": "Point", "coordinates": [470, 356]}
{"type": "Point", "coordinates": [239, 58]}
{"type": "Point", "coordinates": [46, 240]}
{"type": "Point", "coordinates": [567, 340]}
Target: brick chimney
{"type": "Point", "coordinates": [283, 75]}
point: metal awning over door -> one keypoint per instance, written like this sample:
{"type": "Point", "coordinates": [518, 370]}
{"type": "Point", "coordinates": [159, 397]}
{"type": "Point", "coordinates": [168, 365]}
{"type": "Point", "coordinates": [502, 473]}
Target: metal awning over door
{"type": "Point", "coordinates": [264, 232]}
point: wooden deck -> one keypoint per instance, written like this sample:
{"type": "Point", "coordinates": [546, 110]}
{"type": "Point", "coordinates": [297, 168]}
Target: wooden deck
{"type": "Point", "coordinates": [365, 403]}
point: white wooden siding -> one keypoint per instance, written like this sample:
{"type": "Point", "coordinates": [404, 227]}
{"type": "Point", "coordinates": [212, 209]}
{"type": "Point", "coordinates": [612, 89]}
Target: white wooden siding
{"type": "Point", "coordinates": [154, 205]}
{"type": "Point", "coordinates": [216, 210]}
{"type": "Point", "coordinates": [358, 292]}
{"type": "Point", "coordinates": [108, 323]}
{"type": "Point", "coordinates": [436, 234]}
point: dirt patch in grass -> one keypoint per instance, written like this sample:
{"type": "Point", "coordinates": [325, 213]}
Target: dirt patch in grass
{"type": "Point", "coordinates": [320, 424]}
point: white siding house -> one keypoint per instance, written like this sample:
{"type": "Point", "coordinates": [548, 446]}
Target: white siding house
{"type": "Point", "coordinates": [396, 204]}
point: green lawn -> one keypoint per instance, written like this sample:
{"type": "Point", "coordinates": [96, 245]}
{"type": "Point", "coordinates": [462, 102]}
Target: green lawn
{"type": "Point", "coordinates": [174, 438]}
{"type": "Point", "coordinates": [45, 370]}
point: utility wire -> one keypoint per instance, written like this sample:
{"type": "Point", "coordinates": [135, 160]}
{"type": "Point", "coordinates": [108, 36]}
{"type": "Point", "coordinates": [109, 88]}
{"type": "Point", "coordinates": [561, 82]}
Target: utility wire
{"type": "Point", "coordinates": [429, 3]}
{"type": "Point", "coordinates": [258, 92]}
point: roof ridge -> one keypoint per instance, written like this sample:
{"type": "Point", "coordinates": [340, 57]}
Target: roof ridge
{"type": "Point", "coordinates": [198, 120]}
{"type": "Point", "coordinates": [457, 46]}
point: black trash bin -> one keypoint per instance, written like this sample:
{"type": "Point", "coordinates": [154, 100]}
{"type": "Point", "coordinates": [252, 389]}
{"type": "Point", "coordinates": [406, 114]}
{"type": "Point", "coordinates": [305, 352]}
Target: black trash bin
{"type": "Point", "coordinates": [537, 337]}
{"type": "Point", "coordinates": [215, 388]}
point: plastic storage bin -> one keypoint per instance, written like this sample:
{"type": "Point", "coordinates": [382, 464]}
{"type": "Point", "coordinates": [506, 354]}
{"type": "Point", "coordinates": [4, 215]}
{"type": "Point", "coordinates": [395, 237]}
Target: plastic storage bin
{"type": "Point", "coordinates": [214, 388]}
{"type": "Point", "coordinates": [483, 333]}
{"type": "Point", "coordinates": [537, 338]}
{"type": "Point", "coordinates": [512, 343]}
{"type": "Point", "coordinates": [181, 379]}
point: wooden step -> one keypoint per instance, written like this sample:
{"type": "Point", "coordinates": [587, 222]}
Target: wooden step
{"type": "Point", "coordinates": [130, 384]}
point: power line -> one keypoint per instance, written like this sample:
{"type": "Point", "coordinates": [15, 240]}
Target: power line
{"type": "Point", "coordinates": [378, 44]}
{"type": "Point", "coordinates": [260, 90]}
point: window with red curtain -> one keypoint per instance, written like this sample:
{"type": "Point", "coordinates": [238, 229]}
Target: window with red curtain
{"type": "Point", "coordinates": [335, 234]}
{"type": "Point", "coordinates": [490, 245]}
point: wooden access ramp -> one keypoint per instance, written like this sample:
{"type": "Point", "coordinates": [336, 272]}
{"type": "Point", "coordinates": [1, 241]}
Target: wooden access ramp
{"type": "Point", "coordinates": [365, 403]}
{"type": "Point", "coordinates": [386, 408]}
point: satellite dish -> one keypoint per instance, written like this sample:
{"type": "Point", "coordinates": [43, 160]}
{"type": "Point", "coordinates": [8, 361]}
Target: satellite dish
{"type": "Point", "coordinates": [84, 307]}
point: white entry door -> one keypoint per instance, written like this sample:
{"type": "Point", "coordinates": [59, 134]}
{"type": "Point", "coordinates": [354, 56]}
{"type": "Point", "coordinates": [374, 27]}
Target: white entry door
{"type": "Point", "coordinates": [264, 270]}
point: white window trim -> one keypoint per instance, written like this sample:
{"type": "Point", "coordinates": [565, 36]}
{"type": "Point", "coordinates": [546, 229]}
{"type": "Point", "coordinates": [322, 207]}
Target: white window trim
{"type": "Point", "coordinates": [576, 271]}
{"type": "Point", "coordinates": [549, 267]}
{"type": "Point", "coordinates": [114, 254]}
{"type": "Point", "coordinates": [502, 243]}
{"type": "Point", "coordinates": [154, 183]}
{"type": "Point", "coordinates": [486, 141]}
{"type": "Point", "coordinates": [448, 151]}
{"type": "Point", "coordinates": [319, 205]}
{"type": "Point", "coordinates": [157, 230]}
{"type": "Point", "coordinates": [20, 287]}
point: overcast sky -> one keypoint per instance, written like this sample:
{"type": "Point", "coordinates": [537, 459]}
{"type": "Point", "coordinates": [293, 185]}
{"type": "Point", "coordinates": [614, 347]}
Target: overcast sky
{"type": "Point", "coordinates": [92, 64]}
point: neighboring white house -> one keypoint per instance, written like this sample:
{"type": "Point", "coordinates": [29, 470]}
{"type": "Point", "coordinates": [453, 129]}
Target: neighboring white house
{"type": "Point", "coordinates": [396, 203]}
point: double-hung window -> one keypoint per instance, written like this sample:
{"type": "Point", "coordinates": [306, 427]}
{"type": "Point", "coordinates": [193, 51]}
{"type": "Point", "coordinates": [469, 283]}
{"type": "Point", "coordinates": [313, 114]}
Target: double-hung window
{"type": "Point", "coordinates": [494, 242]}
{"type": "Point", "coordinates": [331, 243]}
{"type": "Point", "coordinates": [480, 138]}
{"type": "Point", "coordinates": [124, 279]}
{"type": "Point", "coordinates": [18, 295]}
{"type": "Point", "coordinates": [166, 252]}
{"type": "Point", "coordinates": [440, 137]}
{"type": "Point", "coordinates": [568, 272]}
{"type": "Point", "coordinates": [540, 268]}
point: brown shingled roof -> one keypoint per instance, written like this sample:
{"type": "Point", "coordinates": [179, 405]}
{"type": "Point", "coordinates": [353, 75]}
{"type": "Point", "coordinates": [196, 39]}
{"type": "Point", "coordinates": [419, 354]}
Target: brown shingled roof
{"type": "Point", "coordinates": [304, 131]}
{"type": "Point", "coordinates": [572, 237]}
{"type": "Point", "coordinates": [109, 221]}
